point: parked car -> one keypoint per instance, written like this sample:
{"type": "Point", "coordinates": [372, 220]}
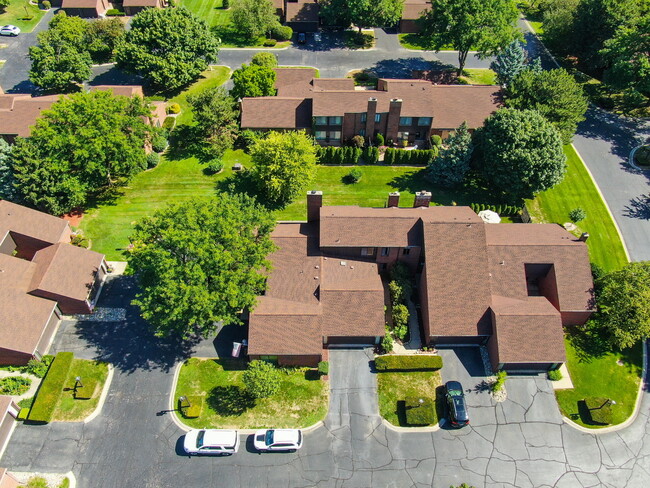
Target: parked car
{"type": "Point", "coordinates": [456, 404]}
{"type": "Point", "coordinates": [278, 440]}
{"type": "Point", "coordinates": [211, 441]}
{"type": "Point", "coordinates": [302, 38]}
{"type": "Point", "coordinates": [317, 37]}
{"type": "Point", "coordinates": [9, 30]}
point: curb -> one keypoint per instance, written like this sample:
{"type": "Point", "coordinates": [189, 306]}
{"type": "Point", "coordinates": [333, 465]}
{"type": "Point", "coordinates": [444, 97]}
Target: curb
{"type": "Point", "coordinates": [609, 211]}
{"type": "Point", "coordinates": [631, 418]}
{"type": "Point", "coordinates": [102, 398]}
{"type": "Point", "coordinates": [261, 48]}
{"type": "Point", "coordinates": [395, 428]}
{"type": "Point", "coordinates": [72, 478]}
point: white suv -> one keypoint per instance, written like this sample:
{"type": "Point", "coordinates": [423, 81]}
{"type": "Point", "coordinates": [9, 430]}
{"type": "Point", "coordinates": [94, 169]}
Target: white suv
{"type": "Point", "coordinates": [211, 441]}
{"type": "Point", "coordinates": [9, 30]}
{"type": "Point", "coordinates": [278, 440]}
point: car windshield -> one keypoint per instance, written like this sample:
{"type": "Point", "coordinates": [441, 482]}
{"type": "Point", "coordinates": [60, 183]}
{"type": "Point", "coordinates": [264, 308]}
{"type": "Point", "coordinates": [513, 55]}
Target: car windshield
{"type": "Point", "coordinates": [199, 439]}
{"type": "Point", "coordinates": [459, 405]}
{"type": "Point", "coordinates": [269, 437]}
{"type": "Point", "coordinates": [455, 393]}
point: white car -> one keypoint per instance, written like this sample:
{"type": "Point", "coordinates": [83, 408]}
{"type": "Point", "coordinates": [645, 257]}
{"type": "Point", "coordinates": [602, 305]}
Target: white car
{"type": "Point", "coordinates": [9, 30]}
{"type": "Point", "coordinates": [211, 441]}
{"type": "Point", "coordinates": [278, 440]}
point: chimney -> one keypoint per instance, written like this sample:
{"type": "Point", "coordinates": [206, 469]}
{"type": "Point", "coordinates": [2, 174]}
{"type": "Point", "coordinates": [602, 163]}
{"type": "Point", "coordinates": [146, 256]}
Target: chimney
{"type": "Point", "coordinates": [394, 114]}
{"type": "Point", "coordinates": [393, 199]}
{"type": "Point", "coordinates": [583, 237]}
{"type": "Point", "coordinates": [422, 199]}
{"type": "Point", "coordinates": [370, 117]}
{"type": "Point", "coordinates": [314, 203]}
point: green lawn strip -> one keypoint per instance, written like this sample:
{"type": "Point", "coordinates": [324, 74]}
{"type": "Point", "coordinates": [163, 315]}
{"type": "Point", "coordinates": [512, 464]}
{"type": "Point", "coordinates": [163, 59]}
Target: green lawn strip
{"type": "Point", "coordinates": [394, 387]}
{"type": "Point", "coordinates": [93, 376]}
{"type": "Point", "coordinates": [15, 14]}
{"type": "Point", "coordinates": [215, 76]}
{"type": "Point", "coordinates": [417, 42]}
{"type": "Point", "coordinates": [300, 402]}
{"type": "Point", "coordinates": [110, 225]}
{"type": "Point", "coordinates": [579, 190]}
{"type": "Point", "coordinates": [479, 76]}
{"type": "Point", "coordinates": [51, 388]}
{"type": "Point", "coordinates": [602, 377]}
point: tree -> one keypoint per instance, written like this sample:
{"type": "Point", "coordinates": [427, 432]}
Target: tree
{"type": "Point", "coordinates": [509, 62]}
{"type": "Point", "coordinates": [452, 164]}
{"type": "Point", "coordinates": [555, 94]}
{"type": "Point", "coordinates": [102, 38]}
{"type": "Point", "coordinates": [72, 30]}
{"type": "Point", "coordinates": [262, 379]}
{"type": "Point", "coordinates": [7, 181]}
{"type": "Point", "coordinates": [558, 18]}
{"type": "Point", "coordinates": [482, 25]}
{"type": "Point", "coordinates": [335, 12]}
{"type": "Point", "coordinates": [253, 18]}
{"type": "Point", "coordinates": [169, 47]}
{"type": "Point", "coordinates": [266, 59]}
{"type": "Point", "coordinates": [628, 57]}
{"type": "Point", "coordinates": [522, 153]}
{"type": "Point", "coordinates": [215, 116]}
{"type": "Point", "coordinates": [253, 81]}
{"type": "Point", "coordinates": [84, 144]}
{"type": "Point", "coordinates": [624, 304]}
{"type": "Point", "coordinates": [284, 164]}
{"type": "Point", "coordinates": [201, 262]}
{"type": "Point", "coordinates": [362, 13]}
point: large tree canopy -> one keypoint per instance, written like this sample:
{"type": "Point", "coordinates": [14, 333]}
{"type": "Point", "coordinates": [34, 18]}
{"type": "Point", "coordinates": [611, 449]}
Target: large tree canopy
{"type": "Point", "coordinates": [201, 262]}
{"type": "Point", "coordinates": [169, 47]}
{"type": "Point", "coordinates": [215, 116]}
{"type": "Point", "coordinates": [555, 94]}
{"type": "Point", "coordinates": [522, 153]}
{"type": "Point", "coordinates": [83, 144]}
{"type": "Point", "coordinates": [362, 13]}
{"type": "Point", "coordinates": [452, 164]}
{"type": "Point", "coordinates": [284, 164]}
{"type": "Point", "coordinates": [7, 189]}
{"type": "Point", "coordinates": [253, 18]}
{"type": "Point", "coordinates": [253, 81]}
{"type": "Point", "coordinates": [482, 25]}
{"type": "Point", "coordinates": [624, 304]}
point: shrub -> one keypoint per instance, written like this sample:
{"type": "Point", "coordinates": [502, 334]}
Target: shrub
{"type": "Point", "coordinates": [600, 410]}
{"type": "Point", "coordinates": [14, 385]}
{"type": "Point", "coordinates": [387, 343]}
{"type": "Point", "coordinates": [267, 59]}
{"type": "Point", "coordinates": [113, 12]}
{"type": "Point", "coordinates": [37, 482]}
{"type": "Point", "coordinates": [269, 42]}
{"type": "Point", "coordinates": [79, 240]}
{"type": "Point", "coordinates": [400, 315]}
{"type": "Point", "coordinates": [400, 331]}
{"type": "Point", "coordinates": [408, 363]}
{"type": "Point", "coordinates": [355, 175]}
{"type": "Point", "coordinates": [174, 108]}
{"type": "Point", "coordinates": [358, 141]}
{"type": "Point", "coordinates": [159, 144]}
{"type": "Point", "coordinates": [26, 403]}
{"type": "Point", "coordinates": [420, 411]}
{"type": "Point", "coordinates": [262, 379]}
{"type": "Point", "coordinates": [379, 140]}
{"type": "Point", "coordinates": [555, 375]}
{"type": "Point", "coordinates": [248, 137]}
{"type": "Point", "coordinates": [47, 5]}
{"type": "Point", "coordinates": [39, 368]}
{"type": "Point", "coordinates": [323, 367]}
{"type": "Point", "coordinates": [225, 4]}
{"type": "Point", "coordinates": [169, 123]}
{"type": "Point", "coordinates": [402, 275]}
{"type": "Point", "coordinates": [152, 160]}
{"type": "Point", "coordinates": [281, 32]}
{"type": "Point", "coordinates": [214, 166]}
{"type": "Point", "coordinates": [396, 292]}
{"type": "Point", "coordinates": [500, 381]}
{"type": "Point", "coordinates": [51, 388]}
{"type": "Point", "coordinates": [436, 140]}
{"type": "Point", "coordinates": [577, 214]}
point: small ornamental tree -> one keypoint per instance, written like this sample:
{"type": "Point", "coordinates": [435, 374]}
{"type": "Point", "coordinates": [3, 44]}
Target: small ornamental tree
{"type": "Point", "coordinates": [267, 59]}
{"type": "Point", "coordinates": [253, 81]}
{"type": "Point", "coordinates": [201, 262]}
{"type": "Point", "coordinates": [624, 304]}
{"type": "Point", "coordinates": [284, 164]}
{"type": "Point", "coordinates": [509, 62]}
{"type": "Point", "coordinates": [262, 379]}
{"type": "Point", "coordinates": [253, 18]}
{"type": "Point", "coordinates": [522, 153]}
{"type": "Point", "coordinates": [452, 164]}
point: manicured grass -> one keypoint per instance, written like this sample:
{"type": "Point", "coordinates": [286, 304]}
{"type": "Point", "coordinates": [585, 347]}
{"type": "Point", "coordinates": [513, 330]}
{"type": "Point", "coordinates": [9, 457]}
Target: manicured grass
{"type": "Point", "coordinates": [395, 387]}
{"type": "Point", "coordinates": [14, 14]}
{"type": "Point", "coordinates": [68, 408]}
{"type": "Point", "coordinates": [215, 76]}
{"type": "Point", "coordinates": [209, 10]}
{"type": "Point", "coordinates": [300, 402]}
{"type": "Point", "coordinates": [479, 76]}
{"type": "Point", "coordinates": [109, 225]}
{"type": "Point", "coordinates": [578, 190]}
{"type": "Point", "coordinates": [416, 41]}
{"type": "Point", "coordinates": [601, 376]}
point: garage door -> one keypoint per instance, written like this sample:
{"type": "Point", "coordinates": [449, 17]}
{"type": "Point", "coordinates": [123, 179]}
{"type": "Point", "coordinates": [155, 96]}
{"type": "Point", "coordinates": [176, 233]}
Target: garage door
{"type": "Point", "coordinates": [524, 368]}
{"type": "Point", "coordinates": [352, 341]}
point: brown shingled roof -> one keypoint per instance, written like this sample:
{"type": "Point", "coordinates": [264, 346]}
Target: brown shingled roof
{"type": "Point", "coordinates": [141, 3]}
{"type": "Point", "coordinates": [276, 113]}
{"type": "Point", "coordinates": [29, 222]}
{"type": "Point", "coordinates": [294, 82]}
{"type": "Point", "coordinates": [19, 112]}
{"type": "Point", "coordinates": [302, 11]}
{"type": "Point", "coordinates": [98, 5]}
{"type": "Point", "coordinates": [455, 104]}
{"type": "Point", "coordinates": [123, 90]}
{"type": "Point", "coordinates": [413, 9]}
{"type": "Point", "coordinates": [325, 84]}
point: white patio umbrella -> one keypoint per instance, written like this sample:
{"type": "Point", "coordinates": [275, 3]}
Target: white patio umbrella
{"type": "Point", "coordinates": [489, 217]}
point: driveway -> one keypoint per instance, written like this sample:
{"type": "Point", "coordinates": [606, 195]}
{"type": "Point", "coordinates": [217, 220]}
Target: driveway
{"type": "Point", "coordinates": [133, 442]}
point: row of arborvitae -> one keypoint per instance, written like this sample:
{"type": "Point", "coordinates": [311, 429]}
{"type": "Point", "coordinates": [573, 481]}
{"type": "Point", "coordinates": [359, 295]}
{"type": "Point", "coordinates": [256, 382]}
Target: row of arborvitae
{"type": "Point", "coordinates": [500, 209]}
{"type": "Point", "coordinates": [411, 156]}
{"type": "Point", "coordinates": [347, 155]}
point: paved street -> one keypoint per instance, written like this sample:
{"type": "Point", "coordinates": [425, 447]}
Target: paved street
{"type": "Point", "coordinates": [133, 442]}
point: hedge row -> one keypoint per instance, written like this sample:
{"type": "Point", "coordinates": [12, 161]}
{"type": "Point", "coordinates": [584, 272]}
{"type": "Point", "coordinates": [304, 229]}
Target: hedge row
{"type": "Point", "coordinates": [347, 155]}
{"type": "Point", "coordinates": [51, 388]}
{"type": "Point", "coordinates": [419, 362]}
{"type": "Point", "coordinates": [420, 412]}
{"type": "Point", "coordinates": [410, 157]}
{"type": "Point", "coordinates": [500, 209]}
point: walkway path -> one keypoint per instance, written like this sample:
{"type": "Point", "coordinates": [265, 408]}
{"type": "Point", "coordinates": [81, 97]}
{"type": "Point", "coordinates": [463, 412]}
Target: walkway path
{"type": "Point", "coordinates": [35, 382]}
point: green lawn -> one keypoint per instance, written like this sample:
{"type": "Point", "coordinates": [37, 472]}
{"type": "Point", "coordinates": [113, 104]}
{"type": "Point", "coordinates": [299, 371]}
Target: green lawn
{"type": "Point", "coordinates": [578, 190]}
{"type": "Point", "coordinates": [394, 387]}
{"type": "Point", "coordinates": [215, 76]}
{"type": "Point", "coordinates": [68, 408]}
{"type": "Point", "coordinates": [300, 402]}
{"type": "Point", "coordinates": [15, 14]}
{"type": "Point", "coordinates": [599, 375]}
{"type": "Point", "coordinates": [209, 10]}
{"type": "Point", "coordinates": [479, 76]}
{"type": "Point", "coordinates": [416, 41]}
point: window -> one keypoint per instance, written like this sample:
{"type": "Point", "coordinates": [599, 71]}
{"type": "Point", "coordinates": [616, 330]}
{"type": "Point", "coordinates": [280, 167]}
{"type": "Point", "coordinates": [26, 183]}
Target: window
{"type": "Point", "coordinates": [320, 120]}
{"type": "Point", "coordinates": [424, 121]}
{"type": "Point", "coordinates": [402, 136]}
{"type": "Point", "coordinates": [362, 132]}
{"type": "Point", "coordinates": [336, 120]}
{"type": "Point", "coordinates": [406, 121]}
{"type": "Point", "coordinates": [367, 251]}
{"type": "Point", "coordinates": [335, 134]}
{"type": "Point", "coordinates": [377, 117]}
{"type": "Point", "coordinates": [320, 135]}
{"type": "Point", "coordinates": [385, 251]}
{"type": "Point", "coordinates": [406, 251]}
{"type": "Point", "coordinates": [364, 117]}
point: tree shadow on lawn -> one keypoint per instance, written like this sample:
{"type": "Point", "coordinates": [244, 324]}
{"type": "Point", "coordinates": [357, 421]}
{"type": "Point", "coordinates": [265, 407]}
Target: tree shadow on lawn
{"type": "Point", "coordinates": [229, 401]}
{"type": "Point", "coordinates": [184, 142]}
{"type": "Point", "coordinates": [589, 341]}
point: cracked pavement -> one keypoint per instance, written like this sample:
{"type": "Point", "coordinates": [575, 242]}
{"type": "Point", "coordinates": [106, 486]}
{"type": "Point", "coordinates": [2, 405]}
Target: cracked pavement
{"type": "Point", "coordinates": [521, 442]}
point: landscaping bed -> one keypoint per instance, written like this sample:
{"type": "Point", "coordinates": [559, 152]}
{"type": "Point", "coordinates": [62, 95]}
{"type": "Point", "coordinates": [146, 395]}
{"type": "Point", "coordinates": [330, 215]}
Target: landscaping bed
{"type": "Point", "coordinates": [216, 385]}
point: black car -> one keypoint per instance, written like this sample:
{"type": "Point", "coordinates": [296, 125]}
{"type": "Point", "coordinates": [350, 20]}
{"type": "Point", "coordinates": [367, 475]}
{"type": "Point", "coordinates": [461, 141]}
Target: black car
{"type": "Point", "coordinates": [456, 404]}
{"type": "Point", "coordinates": [302, 37]}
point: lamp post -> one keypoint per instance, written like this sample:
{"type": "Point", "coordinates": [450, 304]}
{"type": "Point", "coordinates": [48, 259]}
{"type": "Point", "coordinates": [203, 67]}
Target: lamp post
{"type": "Point", "coordinates": [78, 383]}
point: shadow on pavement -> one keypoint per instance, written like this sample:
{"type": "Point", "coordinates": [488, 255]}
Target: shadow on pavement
{"type": "Point", "coordinates": [402, 68]}
{"type": "Point", "coordinates": [638, 208]}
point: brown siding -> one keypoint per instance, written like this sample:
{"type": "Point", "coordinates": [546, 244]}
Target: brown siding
{"type": "Point", "coordinates": [348, 128]}
{"type": "Point", "coordinates": [392, 122]}
{"type": "Point", "coordinates": [10, 357]}
{"type": "Point", "coordinates": [408, 26]}
{"type": "Point", "coordinates": [303, 26]}
{"type": "Point", "coordinates": [8, 245]}
{"type": "Point", "coordinates": [493, 349]}
{"type": "Point", "coordinates": [458, 339]}
{"type": "Point", "coordinates": [304, 360]}
{"type": "Point", "coordinates": [7, 480]}
{"type": "Point", "coordinates": [424, 304]}
{"type": "Point", "coordinates": [333, 341]}
{"type": "Point", "coordinates": [48, 332]}
{"type": "Point", "coordinates": [67, 305]}
{"type": "Point", "coordinates": [548, 287]}
{"type": "Point", "coordinates": [532, 367]}
{"type": "Point", "coordinates": [6, 425]}
{"type": "Point", "coordinates": [27, 246]}
{"type": "Point", "coordinates": [574, 318]}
